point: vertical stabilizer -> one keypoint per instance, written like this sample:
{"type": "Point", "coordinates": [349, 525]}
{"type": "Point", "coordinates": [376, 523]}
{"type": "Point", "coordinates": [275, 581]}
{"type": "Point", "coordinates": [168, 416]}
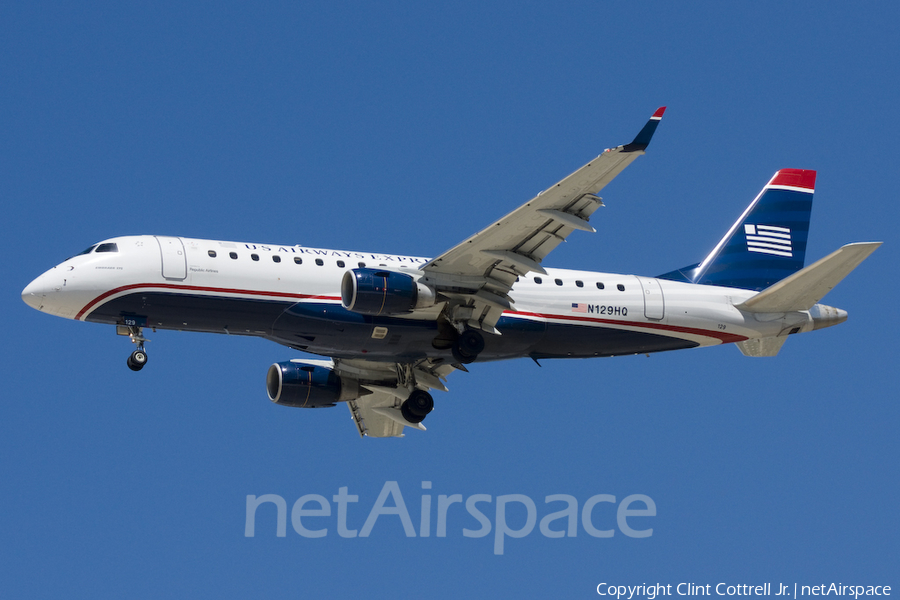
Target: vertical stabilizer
{"type": "Point", "coordinates": [768, 241]}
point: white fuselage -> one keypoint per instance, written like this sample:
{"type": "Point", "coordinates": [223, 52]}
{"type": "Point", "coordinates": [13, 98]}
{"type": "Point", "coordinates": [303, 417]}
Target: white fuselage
{"type": "Point", "coordinates": [247, 289]}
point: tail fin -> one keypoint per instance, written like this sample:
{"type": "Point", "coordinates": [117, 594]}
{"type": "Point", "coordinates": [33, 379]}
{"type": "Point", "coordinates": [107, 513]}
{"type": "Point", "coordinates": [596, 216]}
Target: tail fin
{"type": "Point", "coordinates": [768, 241]}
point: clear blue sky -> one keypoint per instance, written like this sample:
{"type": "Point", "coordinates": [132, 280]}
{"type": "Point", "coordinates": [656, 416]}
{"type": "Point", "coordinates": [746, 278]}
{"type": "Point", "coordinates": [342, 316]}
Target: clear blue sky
{"type": "Point", "coordinates": [405, 127]}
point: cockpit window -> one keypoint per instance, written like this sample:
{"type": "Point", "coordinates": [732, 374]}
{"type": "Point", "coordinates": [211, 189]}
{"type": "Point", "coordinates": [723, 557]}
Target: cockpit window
{"type": "Point", "coordinates": [88, 251]}
{"type": "Point", "coordinates": [108, 247]}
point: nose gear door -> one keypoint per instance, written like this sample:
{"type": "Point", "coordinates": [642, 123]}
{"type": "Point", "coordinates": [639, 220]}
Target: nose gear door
{"type": "Point", "coordinates": [174, 261]}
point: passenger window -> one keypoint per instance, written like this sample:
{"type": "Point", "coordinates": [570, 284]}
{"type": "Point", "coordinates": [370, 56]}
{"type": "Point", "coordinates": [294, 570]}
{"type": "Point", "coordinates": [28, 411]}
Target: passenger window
{"type": "Point", "coordinates": [600, 286]}
{"type": "Point", "coordinates": [254, 256]}
{"type": "Point", "coordinates": [212, 253]}
{"type": "Point", "coordinates": [362, 265]}
{"type": "Point", "coordinates": [621, 287]}
{"type": "Point", "coordinates": [233, 255]}
{"type": "Point", "coordinates": [558, 281]}
{"type": "Point", "coordinates": [538, 280]}
{"type": "Point", "coordinates": [108, 247]}
{"type": "Point", "coordinates": [579, 283]}
{"type": "Point", "coordinates": [298, 260]}
{"type": "Point", "coordinates": [276, 258]}
{"type": "Point", "coordinates": [320, 262]}
{"type": "Point", "coordinates": [340, 263]}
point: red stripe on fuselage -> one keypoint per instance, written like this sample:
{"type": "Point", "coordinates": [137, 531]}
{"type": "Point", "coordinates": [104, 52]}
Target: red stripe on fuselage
{"type": "Point", "coordinates": [726, 338]}
{"type": "Point", "coordinates": [195, 288]}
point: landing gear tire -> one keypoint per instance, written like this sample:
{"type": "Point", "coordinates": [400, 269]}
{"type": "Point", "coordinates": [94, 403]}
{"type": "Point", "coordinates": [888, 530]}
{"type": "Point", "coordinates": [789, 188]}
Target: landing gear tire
{"type": "Point", "coordinates": [417, 406]}
{"type": "Point", "coordinates": [408, 415]}
{"type": "Point", "coordinates": [137, 360]}
{"type": "Point", "coordinates": [468, 346]}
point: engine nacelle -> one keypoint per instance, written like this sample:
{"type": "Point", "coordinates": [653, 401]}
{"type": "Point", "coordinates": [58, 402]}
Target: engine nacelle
{"type": "Point", "coordinates": [381, 292]}
{"type": "Point", "coordinates": [305, 385]}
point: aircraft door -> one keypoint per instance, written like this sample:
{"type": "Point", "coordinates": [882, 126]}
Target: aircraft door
{"type": "Point", "coordinates": [654, 303]}
{"type": "Point", "coordinates": [174, 261]}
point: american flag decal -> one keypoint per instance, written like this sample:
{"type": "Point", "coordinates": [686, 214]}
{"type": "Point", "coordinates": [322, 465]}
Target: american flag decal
{"type": "Point", "coordinates": [579, 308]}
{"type": "Point", "coordinates": [769, 239]}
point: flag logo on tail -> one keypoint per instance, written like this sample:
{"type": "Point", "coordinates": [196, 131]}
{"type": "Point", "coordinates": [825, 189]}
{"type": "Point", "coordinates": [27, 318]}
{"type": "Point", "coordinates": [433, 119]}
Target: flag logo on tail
{"type": "Point", "coordinates": [769, 239]}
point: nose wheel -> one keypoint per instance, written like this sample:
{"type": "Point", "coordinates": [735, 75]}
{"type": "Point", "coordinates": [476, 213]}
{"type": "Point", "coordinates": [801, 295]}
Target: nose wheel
{"type": "Point", "coordinates": [138, 358]}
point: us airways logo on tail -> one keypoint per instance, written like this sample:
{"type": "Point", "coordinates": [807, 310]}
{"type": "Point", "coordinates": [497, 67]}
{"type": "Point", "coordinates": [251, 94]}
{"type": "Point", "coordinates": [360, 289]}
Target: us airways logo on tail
{"type": "Point", "coordinates": [769, 239]}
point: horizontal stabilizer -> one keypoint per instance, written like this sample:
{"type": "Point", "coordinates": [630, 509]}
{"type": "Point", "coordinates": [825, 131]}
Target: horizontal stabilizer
{"type": "Point", "coordinates": [805, 288]}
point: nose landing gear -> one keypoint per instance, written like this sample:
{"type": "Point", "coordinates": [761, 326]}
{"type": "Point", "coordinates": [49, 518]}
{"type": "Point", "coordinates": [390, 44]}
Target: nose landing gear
{"type": "Point", "coordinates": [138, 358]}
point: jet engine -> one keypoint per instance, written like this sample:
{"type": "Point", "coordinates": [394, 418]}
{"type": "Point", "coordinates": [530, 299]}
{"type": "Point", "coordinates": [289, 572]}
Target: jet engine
{"type": "Point", "coordinates": [381, 292]}
{"type": "Point", "coordinates": [305, 385]}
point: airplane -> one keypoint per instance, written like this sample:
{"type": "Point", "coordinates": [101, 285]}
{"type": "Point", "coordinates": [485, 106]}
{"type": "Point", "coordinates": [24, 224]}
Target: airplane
{"type": "Point", "coordinates": [393, 327]}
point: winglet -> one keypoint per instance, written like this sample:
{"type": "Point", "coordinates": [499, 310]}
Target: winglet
{"type": "Point", "coordinates": [642, 140]}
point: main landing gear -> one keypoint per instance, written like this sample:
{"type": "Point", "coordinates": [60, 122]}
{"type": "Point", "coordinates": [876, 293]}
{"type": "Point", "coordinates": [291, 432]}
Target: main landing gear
{"type": "Point", "coordinates": [417, 406]}
{"type": "Point", "coordinates": [138, 358]}
{"type": "Point", "coordinates": [468, 346]}
{"type": "Point", "coordinates": [419, 402]}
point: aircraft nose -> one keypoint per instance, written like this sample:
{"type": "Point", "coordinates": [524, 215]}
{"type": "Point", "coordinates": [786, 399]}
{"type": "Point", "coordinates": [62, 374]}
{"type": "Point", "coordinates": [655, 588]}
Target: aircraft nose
{"type": "Point", "coordinates": [34, 293]}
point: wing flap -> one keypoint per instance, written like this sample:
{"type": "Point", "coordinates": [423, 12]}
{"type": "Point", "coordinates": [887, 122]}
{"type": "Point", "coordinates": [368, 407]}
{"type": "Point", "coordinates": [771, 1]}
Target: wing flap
{"type": "Point", "coordinates": [369, 421]}
{"type": "Point", "coordinates": [768, 346]}
{"type": "Point", "coordinates": [534, 229]}
{"type": "Point", "coordinates": [518, 243]}
{"type": "Point", "coordinates": [377, 414]}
